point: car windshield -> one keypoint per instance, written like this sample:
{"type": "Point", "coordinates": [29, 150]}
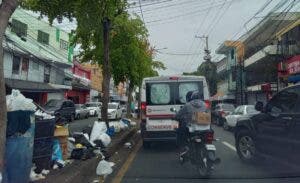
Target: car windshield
{"type": "Point", "coordinates": [78, 106]}
{"type": "Point", "coordinates": [91, 105]}
{"type": "Point", "coordinates": [112, 106]}
{"type": "Point", "coordinates": [53, 103]}
{"type": "Point", "coordinates": [228, 107]}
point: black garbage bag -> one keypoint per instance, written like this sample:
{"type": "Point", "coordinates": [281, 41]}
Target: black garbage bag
{"type": "Point", "coordinates": [80, 139]}
{"type": "Point", "coordinates": [18, 122]}
{"type": "Point", "coordinates": [77, 153]}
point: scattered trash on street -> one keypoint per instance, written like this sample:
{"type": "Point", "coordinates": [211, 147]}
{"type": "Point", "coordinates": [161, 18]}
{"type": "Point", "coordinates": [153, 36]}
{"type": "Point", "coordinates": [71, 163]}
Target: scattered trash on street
{"type": "Point", "coordinates": [128, 145]}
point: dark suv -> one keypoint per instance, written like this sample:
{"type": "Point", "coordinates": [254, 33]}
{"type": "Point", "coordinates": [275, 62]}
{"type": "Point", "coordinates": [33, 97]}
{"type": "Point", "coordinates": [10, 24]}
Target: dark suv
{"type": "Point", "coordinates": [220, 111]}
{"type": "Point", "coordinates": [61, 109]}
{"type": "Point", "coordinates": [274, 131]}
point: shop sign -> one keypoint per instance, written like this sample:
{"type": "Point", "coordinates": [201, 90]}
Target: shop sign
{"type": "Point", "coordinates": [293, 65]}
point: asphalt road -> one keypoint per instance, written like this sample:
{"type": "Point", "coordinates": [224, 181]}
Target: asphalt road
{"type": "Point", "coordinates": [160, 165]}
{"type": "Point", "coordinates": [79, 124]}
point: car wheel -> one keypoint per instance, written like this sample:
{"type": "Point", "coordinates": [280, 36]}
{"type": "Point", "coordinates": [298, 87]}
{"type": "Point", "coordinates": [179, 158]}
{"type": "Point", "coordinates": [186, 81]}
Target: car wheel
{"type": "Point", "coordinates": [72, 117]}
{"type": "Point", "coordinates": [226, 126]}
{"type": "Point", "coordinates": [218, 123]}
{"type": "Point", "coordinates": [245, 146]}
{"type": "Point", "coordinates": [87, 116]}
{"type": "Point", "coordinates": [95, 113]}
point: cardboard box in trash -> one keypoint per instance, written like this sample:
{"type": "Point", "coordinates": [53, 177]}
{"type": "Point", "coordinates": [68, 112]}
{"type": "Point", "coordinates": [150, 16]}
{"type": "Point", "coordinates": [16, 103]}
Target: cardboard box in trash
{"type": "Point", "coordinates": [201, 118]}
{"type": "Point", "coordinates": [62, 134]}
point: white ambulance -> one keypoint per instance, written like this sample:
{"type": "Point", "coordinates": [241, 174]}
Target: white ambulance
{"type": "Point", "coordinates": [158, 96]}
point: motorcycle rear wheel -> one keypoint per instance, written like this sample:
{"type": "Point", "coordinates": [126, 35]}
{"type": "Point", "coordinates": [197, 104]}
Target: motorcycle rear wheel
{"type": "Point", "coordinates": [204, 171]}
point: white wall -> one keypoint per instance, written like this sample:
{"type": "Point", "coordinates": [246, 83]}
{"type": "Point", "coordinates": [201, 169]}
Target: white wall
{"type": "Point", "coordinates": [36, 75]}
{"type": "Point", "coordinates": [55, 96]}
{"type": "Point", "coordinates": [33, 74]}
{"type": "Point", "coordinates": [34, 25]}
{"type": "Point", "coordinates": [7, 65]}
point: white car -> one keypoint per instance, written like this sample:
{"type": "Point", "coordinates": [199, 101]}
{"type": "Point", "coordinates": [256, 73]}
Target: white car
{"type": "Point", "coordinates": [240, 111]}
{"type": "Point", "coordinates": [114, 111]}
{"type": "Point", "coordinates": [94, 108]}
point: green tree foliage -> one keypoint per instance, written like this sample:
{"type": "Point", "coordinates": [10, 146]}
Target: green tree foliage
{"type": "Point", "coordinates": [131, 54]}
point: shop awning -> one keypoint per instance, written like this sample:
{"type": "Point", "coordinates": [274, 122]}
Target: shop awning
{"type": "Point", "coordinates": [29, 86]}
{"type": "Point", "coordinates": [294, 78]}
{"type": "Point", "coordinates": [79, 86]}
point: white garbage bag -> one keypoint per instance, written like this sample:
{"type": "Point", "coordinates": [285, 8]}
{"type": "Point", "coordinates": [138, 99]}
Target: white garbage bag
{"type": "Point", "coordinates": [105, 139]}
{"type": "Point", "coordinates": [104, 168]}
{"type": "Point", "coordinates": [123, 125]}
{"type": "Point", "coordinates": [16, 101]}
{"type": "Point", "coordinates": [116, 126]}
{"type": "Point", "coordinates": [98, 129]}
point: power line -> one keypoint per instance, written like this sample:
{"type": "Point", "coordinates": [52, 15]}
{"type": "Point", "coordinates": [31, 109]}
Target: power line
{"type": "Point", "coordinates": [150, 4]}
{"type": "Point", "coordinates": [197, 31]}
{"type": "Point", "coordinates": [212, 25]}
{"type": "Point", "coordinates": [177, 54]}
{"type": "Point", "coordinates": [183, 15]}
{"type": "Point", "coordinates": [141, 11]}
{"type": "Point", "coordinates": [171, 5]}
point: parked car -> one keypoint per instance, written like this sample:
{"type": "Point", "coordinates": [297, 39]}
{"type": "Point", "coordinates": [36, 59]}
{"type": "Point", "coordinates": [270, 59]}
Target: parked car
{"type": "Point", "coordinates": [94, 108]}
{"type": "Point", "coordinates": [240, 111]}
{"type": "Point", "coordinates": [114, 111]}
{"type": "Point", "coordinates": [274, 131]}
{"type": "Point", "coordinates": [220, 112]}
{"type": "Point", "coordinates": [61, 109]}
{"type": "Point", "coordinates": [81, 111]}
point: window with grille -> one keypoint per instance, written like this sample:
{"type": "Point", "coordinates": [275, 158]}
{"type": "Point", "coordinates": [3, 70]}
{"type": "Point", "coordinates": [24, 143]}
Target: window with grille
{"type": "Point", "coordinates": [43, 37]}
{"type": "Point", "coordinates": [64, 44]}
{"type": "Point", "coordinates": [19, 28]}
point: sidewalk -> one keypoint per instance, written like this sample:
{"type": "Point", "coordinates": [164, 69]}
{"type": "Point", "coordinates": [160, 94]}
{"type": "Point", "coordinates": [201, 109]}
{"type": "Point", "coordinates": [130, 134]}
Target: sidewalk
{"type": "Point", "coordinates": [84, 171]}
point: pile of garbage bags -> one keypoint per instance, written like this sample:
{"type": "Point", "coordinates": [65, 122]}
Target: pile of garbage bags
{"type": "Point", "coordinates": [17, 102]}
{"type": "Point", "coordinates": [86, 144]}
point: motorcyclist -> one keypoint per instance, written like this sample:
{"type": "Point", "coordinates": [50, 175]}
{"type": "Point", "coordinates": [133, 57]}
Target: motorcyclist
{"type": "Point", "coordinates": [184, 116]}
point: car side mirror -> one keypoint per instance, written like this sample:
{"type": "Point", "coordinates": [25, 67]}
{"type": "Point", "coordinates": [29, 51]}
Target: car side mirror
{"type": "Point", "coordinates": [259, 106]}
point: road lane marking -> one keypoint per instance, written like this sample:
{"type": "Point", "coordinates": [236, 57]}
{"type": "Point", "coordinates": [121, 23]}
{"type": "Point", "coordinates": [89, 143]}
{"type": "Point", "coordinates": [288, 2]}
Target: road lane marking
{"type": "Point", "coordinates": [229, 145]}
{"type": "Point", "coordinates": [118, 178]}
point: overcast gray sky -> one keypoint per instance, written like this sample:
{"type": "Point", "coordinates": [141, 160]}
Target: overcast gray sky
{"type": "Point", "coordinates": [173, 25]}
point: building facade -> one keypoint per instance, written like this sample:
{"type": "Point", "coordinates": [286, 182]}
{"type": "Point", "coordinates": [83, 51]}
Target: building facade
{"type": "Point", "coordinates": [257, 55]}
{"type": "Point", "coordinates": [96, 81]}
{"type": "Point", "coordinates": [37, 58]}
{"type": "Point", "coordinates": [80, 93]}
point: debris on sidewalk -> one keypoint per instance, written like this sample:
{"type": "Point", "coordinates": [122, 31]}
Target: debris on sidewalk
{"type": "Point", "coordinates": [128, 145]}
{"type": "Point", "coordinates": [104, 168]}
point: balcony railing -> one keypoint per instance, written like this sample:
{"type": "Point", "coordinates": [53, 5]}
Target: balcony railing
{"type": "Point", "coordinates": [268, 50]}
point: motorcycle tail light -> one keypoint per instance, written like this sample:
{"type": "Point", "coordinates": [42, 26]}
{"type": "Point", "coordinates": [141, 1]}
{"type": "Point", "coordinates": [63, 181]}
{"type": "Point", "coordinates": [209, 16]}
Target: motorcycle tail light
{"type": "Point", "coordinates": [207, 104]}
{"type": "Point", "coordinates": [222, 114]}
{"type": "Point", "coordinates": [209, 137]}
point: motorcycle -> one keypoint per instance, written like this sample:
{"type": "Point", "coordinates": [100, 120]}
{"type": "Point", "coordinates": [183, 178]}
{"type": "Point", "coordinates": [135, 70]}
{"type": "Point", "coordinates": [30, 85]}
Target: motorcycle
{"type": "Point", "coordinates": [199, 149]}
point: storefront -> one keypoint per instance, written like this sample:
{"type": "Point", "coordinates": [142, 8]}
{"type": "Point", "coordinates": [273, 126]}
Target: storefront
{"type": "Point", "coordinates": [38, 92]}
{"type": "Point", "coordinates": [289, 71]}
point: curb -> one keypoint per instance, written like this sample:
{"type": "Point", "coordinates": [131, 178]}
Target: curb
{"type": "Point", "coordinates": [112, 149]}
{"type": "Point", "coordinates": [84, 171]}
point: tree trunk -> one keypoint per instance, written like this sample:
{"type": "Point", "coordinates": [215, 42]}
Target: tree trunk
{"type": "Point", "coordinates": [139, 102]}
{"type": "Point", "coordinates": [7, 7]}
{"type": "Point", "coordinates": [106, 72]}
{"type": "Point", "coordinates": [129, 94]}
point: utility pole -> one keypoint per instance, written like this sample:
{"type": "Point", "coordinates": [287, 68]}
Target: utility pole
{"type": "Point", "coordinates": [208, 68]}
{"type": "Point", "coordinates": [207, 56]}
